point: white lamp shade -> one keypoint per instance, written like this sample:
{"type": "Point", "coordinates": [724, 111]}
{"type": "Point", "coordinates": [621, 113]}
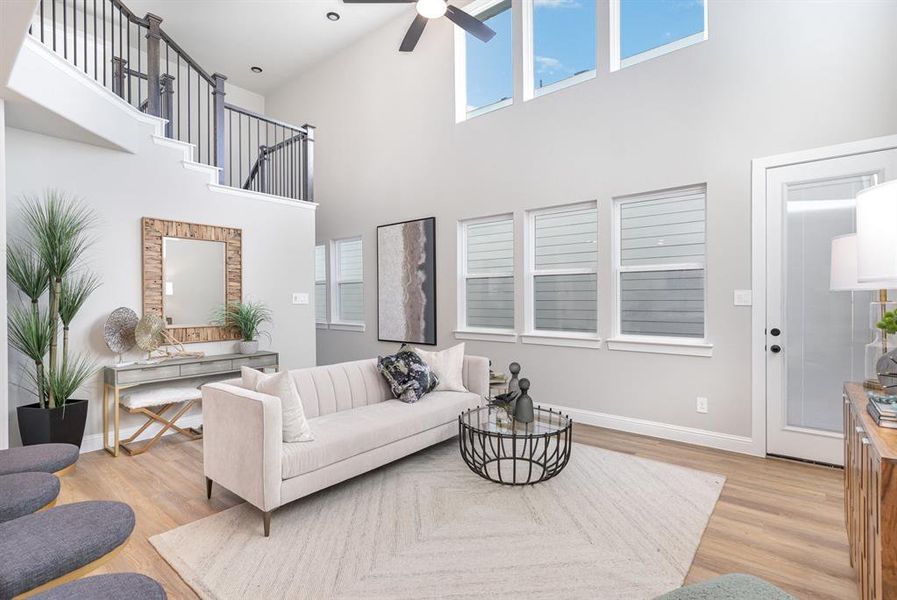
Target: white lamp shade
{"type": "Point", "coordinates": [876, 239]}
{"type": "Point", "coordinates": [844, 267]}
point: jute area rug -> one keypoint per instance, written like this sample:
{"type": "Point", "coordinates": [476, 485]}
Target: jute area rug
{"type": "Point", "coordinates": [609, 526]}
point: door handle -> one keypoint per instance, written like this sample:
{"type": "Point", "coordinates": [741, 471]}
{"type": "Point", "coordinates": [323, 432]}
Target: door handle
{"type": "Point", "coordinates": [775, 348]}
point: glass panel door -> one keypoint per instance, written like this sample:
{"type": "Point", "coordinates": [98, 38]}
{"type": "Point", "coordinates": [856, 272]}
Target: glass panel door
{"type": "Point", "coordinates": [815, 337]}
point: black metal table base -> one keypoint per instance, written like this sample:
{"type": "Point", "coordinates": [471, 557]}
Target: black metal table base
{"type": "Point", "coordinates": [519, 458]}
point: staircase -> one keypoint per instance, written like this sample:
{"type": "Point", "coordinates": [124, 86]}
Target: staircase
{"type": "Point", "coordinates": [137, 60]}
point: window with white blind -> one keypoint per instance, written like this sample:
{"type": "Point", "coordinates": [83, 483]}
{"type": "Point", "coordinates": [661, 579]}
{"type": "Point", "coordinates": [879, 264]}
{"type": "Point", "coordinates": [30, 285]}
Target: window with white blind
{"type": "Point", "coordinates": [659, 263]}
{"type": "Point", "coordinates": [347, 274]}
{"type": "Point", "coordinates": [321, 284]}
{"type": "Point", "coordinates": [562, 273]}
{"type": "Point", "coordinates": [486, 276]}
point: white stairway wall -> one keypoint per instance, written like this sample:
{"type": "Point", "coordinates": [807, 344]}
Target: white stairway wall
{"type": "Point", "coordinates": [278, 242]}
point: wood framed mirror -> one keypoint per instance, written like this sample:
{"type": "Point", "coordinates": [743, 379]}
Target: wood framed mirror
{"type": "Point", "coordinates": [189, 271]}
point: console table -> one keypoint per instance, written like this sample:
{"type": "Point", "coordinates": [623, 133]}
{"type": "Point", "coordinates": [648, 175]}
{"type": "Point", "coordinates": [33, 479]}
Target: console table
{"type": "Point", "coordinates": [870, 497]}
{"type": "Point", "coordinates": [116, 379]}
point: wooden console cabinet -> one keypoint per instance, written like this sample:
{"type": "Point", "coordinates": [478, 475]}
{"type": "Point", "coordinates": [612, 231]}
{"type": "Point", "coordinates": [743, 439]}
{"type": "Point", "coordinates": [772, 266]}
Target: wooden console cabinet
{"type": "Point", "coordinates": [870, 497]}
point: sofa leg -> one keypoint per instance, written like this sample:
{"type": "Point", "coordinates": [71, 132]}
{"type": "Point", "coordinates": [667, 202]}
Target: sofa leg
{"type": "Point", "coordinates": [208, 488]}
{"type": "Point", "coordinates": [266, 518]}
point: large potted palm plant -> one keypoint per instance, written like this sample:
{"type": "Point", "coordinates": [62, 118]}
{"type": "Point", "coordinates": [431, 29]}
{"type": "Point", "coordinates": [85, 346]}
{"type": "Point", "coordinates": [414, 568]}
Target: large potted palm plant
{"type": "Point", "coordinates": [47, 261]}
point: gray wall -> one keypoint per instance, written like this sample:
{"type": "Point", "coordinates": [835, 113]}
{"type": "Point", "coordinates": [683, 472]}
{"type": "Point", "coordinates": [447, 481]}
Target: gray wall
{"type": "Point", "coordinates": [278, 245]}
{"type": "Point", "coordinates": [774, 77]}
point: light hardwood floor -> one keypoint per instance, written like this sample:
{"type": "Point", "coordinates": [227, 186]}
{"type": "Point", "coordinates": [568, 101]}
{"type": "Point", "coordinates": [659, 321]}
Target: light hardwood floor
{"type": "Point", "coordinates": [776, 519]}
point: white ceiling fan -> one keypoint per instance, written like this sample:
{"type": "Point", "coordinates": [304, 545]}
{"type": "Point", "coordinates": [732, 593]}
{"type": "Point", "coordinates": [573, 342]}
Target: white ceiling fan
{"type": "Point", "coordinates": [434, 9]}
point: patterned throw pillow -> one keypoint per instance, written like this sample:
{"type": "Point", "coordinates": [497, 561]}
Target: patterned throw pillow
{"type": "Point", "coordinates": [407, 374]}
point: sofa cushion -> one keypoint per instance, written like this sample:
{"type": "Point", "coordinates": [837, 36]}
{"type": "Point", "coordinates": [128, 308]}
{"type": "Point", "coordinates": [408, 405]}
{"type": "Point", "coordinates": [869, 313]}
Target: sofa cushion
{"type": "Point", "coordinates": [295, 425]}
{"type": "Point", "coordinates": [448, 365]}
{"type": "Point", "coordinates": [409, 377]}
{"type": "Point", "coordinates": [344, 434]}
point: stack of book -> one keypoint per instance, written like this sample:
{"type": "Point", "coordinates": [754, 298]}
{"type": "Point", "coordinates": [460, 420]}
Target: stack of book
{"type": "Point", "coordinates": [883, 408]}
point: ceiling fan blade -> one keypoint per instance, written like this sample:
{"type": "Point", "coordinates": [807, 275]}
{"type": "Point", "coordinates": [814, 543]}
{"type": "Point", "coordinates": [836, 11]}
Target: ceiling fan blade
{"type": "Point", "coordinates": [469, 23]}
{"type": "Point", "coordinates": [414, 33]}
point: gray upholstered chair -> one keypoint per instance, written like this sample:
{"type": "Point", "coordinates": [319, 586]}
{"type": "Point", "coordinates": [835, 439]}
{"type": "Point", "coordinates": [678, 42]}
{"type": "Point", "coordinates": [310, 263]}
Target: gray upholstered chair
{"type": "Point", "coordinates": [734, 586]}
{"type": "Point", "coordinates": [48, 548]}
{"type": "Point", "coordinates": [24, 493]}
{"type": "Point", "coordinates": [117, 586]}
{"type": "Point", "coordinates": [42, 458]}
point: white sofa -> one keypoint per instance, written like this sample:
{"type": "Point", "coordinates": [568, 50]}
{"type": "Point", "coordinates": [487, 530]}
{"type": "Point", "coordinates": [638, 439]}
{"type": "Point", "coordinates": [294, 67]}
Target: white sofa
{"type": "Point", "coordinates": [357, 425]}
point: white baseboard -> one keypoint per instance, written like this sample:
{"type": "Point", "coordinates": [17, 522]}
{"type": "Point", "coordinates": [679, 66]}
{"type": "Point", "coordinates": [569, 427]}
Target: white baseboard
{"type": "Point", "coordinates": [666, 431]}
{"type": "Point", "coordinates": [94, 441]}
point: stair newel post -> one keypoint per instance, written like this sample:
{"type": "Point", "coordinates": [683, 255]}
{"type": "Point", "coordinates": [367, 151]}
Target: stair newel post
{"type": "Point", "coordinates": [153, 66]}
{"type": "Point", "coordinates": [309, 167]}
{"type": "Point", "coordinates": [263, 169]}
{"type": "Point", "coordinates": [167, 83]}
{"type": "Point", "coordinates": [218, 99]}
{"type": "Point", "coordinates": [118, 76]}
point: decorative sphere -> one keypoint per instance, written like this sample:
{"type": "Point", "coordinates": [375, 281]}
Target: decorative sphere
{"type": "Point", "coordinates": [514, 368]}
{"type": "Point", "coordinates": [524, 385]}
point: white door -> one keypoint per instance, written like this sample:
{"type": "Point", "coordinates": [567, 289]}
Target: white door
{"type": "Point", "coordinates": [815, 338]}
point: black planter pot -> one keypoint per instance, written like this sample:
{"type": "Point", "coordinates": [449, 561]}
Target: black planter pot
{"type": "Point", "coordinates": [61, 425]}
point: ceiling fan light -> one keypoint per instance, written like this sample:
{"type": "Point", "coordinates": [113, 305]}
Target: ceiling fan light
{"type": "Point", "coordinates": [431, 9]}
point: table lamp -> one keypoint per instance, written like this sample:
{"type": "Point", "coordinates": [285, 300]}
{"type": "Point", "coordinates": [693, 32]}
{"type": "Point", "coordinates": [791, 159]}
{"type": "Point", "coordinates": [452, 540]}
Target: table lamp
{"type": "Point", "coordinates": [844, 278]}
{"type": "Point", "coordinates": [876, 240]}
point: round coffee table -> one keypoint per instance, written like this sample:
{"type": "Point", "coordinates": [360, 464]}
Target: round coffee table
{"type": "Point", "coordinates": [501, 449]}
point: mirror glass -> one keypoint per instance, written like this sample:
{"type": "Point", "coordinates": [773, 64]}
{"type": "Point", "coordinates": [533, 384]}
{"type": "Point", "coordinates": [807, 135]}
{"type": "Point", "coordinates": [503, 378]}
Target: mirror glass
{"type": "Point", "coordinates": [194, 280]}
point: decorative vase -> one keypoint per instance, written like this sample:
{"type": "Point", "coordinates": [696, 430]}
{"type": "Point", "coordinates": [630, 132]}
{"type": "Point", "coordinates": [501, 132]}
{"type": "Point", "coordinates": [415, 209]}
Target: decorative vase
{"type": "Point", "coordinates": [250, 347]}
{"type": "Point", "coordinates": [881, 344]}
{"type": "Point", "coordinates": [514, 384]}
{"type": "Point", "coordinates": [60, 425]}
{"type": "Point", "coordinates": [523, 412]}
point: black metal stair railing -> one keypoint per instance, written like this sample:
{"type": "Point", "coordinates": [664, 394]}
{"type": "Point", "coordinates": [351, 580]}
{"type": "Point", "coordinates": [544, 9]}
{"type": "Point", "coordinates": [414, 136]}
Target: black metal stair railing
{"type": "Point", "coordinates": [135, 58]}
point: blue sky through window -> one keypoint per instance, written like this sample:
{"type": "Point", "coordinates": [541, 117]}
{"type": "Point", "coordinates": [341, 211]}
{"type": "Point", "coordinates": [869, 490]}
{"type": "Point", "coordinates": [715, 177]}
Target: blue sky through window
{"type": "Point", "coordinates": [648, 24]}
{"type": "Point", "coordinates": [490, 66]}
{"type": "Point", "coordinates": [563, 39]}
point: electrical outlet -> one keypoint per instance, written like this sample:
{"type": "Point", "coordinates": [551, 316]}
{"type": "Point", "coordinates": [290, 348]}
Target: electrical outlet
{"type": "Point", "coordinates": [701, 404]}
{"type": "Point", "coordinates": [300, 298]}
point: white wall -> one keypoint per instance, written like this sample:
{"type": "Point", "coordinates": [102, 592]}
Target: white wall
{"type": "Point", "coordinates": [277, 242]}
{"type": "Point", "coordinates": [774, 77]}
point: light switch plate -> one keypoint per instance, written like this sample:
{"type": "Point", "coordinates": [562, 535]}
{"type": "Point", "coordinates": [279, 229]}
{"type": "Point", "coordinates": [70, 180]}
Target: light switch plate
{"type": "Point", "coordinates": [743, 298]}
{"type": "Point", "coordinates": [299, 298]}
{"type": "Point", "coordinates": [701, 404]}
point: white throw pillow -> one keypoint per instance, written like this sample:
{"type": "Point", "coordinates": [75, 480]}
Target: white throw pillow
{"type": "Point", "coordinates": [449, 367]}
{"type": "Point", "coordinates": [295, 425]}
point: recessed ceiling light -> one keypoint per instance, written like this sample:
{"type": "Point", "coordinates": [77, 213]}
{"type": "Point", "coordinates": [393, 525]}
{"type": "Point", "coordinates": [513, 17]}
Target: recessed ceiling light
{"type": "Point", "coordinates": [256, 69]}
{"type": "Point", "coordinates": [333, 16]}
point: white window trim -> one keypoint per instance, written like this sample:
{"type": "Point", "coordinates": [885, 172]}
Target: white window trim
{"type": "Point", "coordinates": [528, 43]}
{"type": "Point", "coordinates": [461, 112]}
{"type": "Point", "coordinates": [323, 324]}
{"type": "Point", "coordinates": [483, 334]}
{"type": "Point", "coordinates": [334, 281]}
{"type": "Point", "coordinates": [616, 63]}
{"type": "Point", "coordinates": [545, 337]}
{"type": "Point", "coordinates": [647, 343]}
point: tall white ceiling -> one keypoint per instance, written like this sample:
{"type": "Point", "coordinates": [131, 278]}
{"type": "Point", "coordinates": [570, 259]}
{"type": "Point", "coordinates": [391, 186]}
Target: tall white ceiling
{"type": "Point", "coordinates": [284, 37]}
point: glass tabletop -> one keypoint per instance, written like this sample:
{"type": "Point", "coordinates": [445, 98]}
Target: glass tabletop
{"type": "Point", "coordinates": [492, 419]}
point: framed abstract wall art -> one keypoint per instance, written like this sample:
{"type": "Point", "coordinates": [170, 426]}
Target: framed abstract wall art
{"type": "Point", "coordinates": [406, 282]}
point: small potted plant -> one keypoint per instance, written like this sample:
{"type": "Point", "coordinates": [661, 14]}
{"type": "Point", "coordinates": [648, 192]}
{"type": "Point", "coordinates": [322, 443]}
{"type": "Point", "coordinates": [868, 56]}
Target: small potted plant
{"type": "Point", "coordinates": [47, 260]}
{"type": "Point", "coordinates": [247, 318]}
